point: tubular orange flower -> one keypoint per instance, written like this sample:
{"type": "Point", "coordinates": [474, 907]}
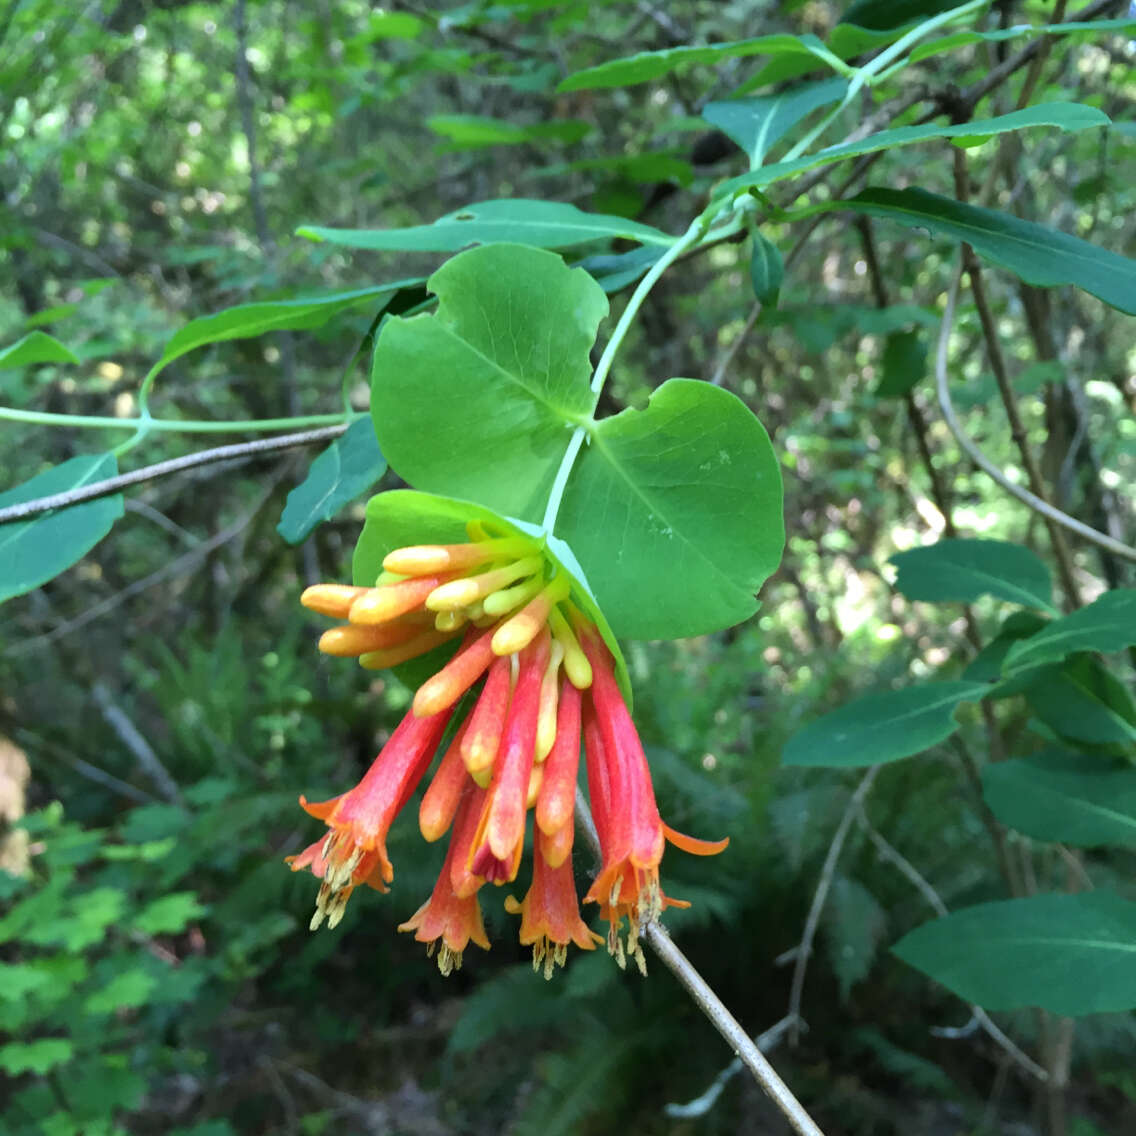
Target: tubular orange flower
{"type": "Point", "coordinates": [541, 678]}
{"type": "Point", "coordinates": [452, 918]}
{"type": "Point", "coordinates": [354, 851]}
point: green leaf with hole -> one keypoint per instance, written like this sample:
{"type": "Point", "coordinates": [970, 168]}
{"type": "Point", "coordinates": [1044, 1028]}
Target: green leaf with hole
{"type": "Point", "coordinates": [38, 549]}
{"type": "Point", "coordinates": [541, 224]}
{"type": "Point", "coordinates": [1065, 797]}
{"type": "Point", "coordinates": [39, 1057]}
{"type": "Point", "coordinates": [1065, 116]}
{"type": "Point", "coordinates": [36, 347]}
{"type": "Point", "coordinates": [1107, 624]}
{"type": "Point", "coordinates": [1039, 255]}
{"type": "Point", "coordinates": [961, 571]}
{"type": "Point", "coordinates": [346, 469]}
{"type": "Point", "coordinates": [757, 124]}
{"type": "Point", "coordinates": [882, 727]}
{"type": "Point", "coordinates": [479, 399]}
{"type": "Point", "coordinates": [474, 131]}
{"type": "Point", "coordinates": [405, 517]}
{"type": "Point", "coordinates": [647, 65]}
{"type": "Point", "coordinates": [1069, 954]}
{"type": "Point", "coordinates": [675, 512]}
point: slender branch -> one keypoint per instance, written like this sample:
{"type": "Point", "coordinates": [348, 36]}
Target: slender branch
{"type": "Point", "coordinates": [1027, 498]}
{"type": "Point", "coordinates": [827, 872]}
{"type": "Point", "coordinates": [162, 469]}
{"type": "Point", "coordinates": [732, 350]}
{"type": "Point", "coordinates": [1017, 427]}
{"type": "Point", "coordinates": [893, 856]}
{"type": "Point", "coordinates": [710, 1004]}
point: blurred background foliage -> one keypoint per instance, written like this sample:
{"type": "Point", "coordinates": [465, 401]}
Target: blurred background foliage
{"type": "Point", "coordinates": [163, 705]}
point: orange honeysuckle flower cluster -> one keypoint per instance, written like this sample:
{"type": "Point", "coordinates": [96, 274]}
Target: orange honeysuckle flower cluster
{"type": "Point", "coordinates": [547, 680]}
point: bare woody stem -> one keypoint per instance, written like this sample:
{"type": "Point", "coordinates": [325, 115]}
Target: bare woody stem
{"type": "Point", "coordinates": [110, 485]}
{"type": "Point", "coordinates": [711, 1005]}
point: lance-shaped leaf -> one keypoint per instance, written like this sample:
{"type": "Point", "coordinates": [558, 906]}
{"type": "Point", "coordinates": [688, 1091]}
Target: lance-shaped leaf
{"type": "Point", "coordinates": [766, 270]}
{"type": "Point", "coordinates": [541, 224]}
{"type": "Point", "coordinates": [960, 571]}
{"type": "Point", "coordinates": [347, 468]}
{"type": "Point", "coordinates": [246, 321]}
{"type": "Point", "coordinates": [1039, 255]}
{"type": "Point", "coordinates": [882, 727]}
{"type": "Point", "coordinates": [903, 365]}
{"type": "Point", "coordinates": [1068, 28]}
{"type": "Point", "coordinates": [36, 347]}
{"type": "Point", "coordinates": [1069, 954]}
{"type": "Point", "coordinates": [675, 512]}
{"type": "Point", "coordinates": [1066, 116]}
{"type": "Point", "coordinates": [647, 65]}
{"type": "Point", "coordinates": [1081, 701]}
{"type": "Point", "coordinates": [481, 397]}
{"type": "Point", "coordinates": [1066, 797]}
{"type": "Point", "coordinates": [404, 517]}
{"type": "Point", "coordinates": [757, 124]}
{"type": "Point", "coordinates": [38, 549]}
{"type": "Point", "coordinates": [474, 131]}
{"type": "Point", "coordinates": [1107, 624]}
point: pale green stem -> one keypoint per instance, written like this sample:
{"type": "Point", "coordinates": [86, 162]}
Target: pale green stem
{"type": "Point", "coordinates": [566, 463]}
{"type": "Point", "coordinates": [690, 238]}
{"type": "Point", "coordinates": [146, 424]}
{"type": "Point", "coordinates": [875, 70]}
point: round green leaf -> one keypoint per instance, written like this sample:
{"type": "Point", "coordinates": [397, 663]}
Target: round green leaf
{"type": "Point", "coordinates": [1065, 797]}
{"type": "Point", "coordinates": [882, 727]}
{"type": "Point", "coordinates": [960, 571]}
{"type": "Point", "coordinates": [1069, 954]}
{"type": "Point", "coordinates": [675, 512]}
{"type": "Point", "coordinates": [480, 398]}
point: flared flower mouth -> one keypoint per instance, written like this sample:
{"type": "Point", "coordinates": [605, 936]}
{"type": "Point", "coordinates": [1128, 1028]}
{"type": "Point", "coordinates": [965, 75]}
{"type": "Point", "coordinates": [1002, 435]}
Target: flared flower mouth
{"type": "Point", "coordinates": [545, 681]}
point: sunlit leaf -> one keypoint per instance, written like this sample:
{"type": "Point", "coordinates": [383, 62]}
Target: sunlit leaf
{"type": "Point", "coordinates": [36, 347]}
{"type": "Point", "coordinates": [1107, 624]}
{"type": "Point", "coordinates": [542, 224]}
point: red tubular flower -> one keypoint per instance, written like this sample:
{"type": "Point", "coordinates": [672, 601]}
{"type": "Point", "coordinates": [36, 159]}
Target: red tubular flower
{"type": "Point", "coordinates": [452, 918]}
{"type": "Point", "coordinates": [548, 679]}
{"type": "Point", "coordinates": [550, 915]}
{"type": "Point", "coordinates": [501, 832]}
{"type": "Point", "coordinates": [354, 851]}
{"type": "Point", "coordinates": [632, 834]}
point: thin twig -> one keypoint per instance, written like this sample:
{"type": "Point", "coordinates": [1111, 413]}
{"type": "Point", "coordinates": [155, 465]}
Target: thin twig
{"type": "Point", "coordinates": [132, 738]}
{"type": "Point", "coordinates": [162, 469]}
{"type": "Point", "coordinates": [812, 921]}
{"type": "Point", "coordinates": [710, 1004]}
{"type": "Point", "coordinates": [893, 856]}
{"type": "Point", "coordinates": [984, 463]}
{"type": "Point", "coordinates": [732, 350]}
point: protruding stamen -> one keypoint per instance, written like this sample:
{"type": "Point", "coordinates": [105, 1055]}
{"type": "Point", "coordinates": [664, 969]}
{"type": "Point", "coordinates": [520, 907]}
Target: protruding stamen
{"type": "Point", "coordinates": [576, 665]}
{"type": "Point", "coordinates": [331, 599]}
{"type": "Point", "coordinates": [521, 629]}
{"type": "Point", "coordinates": [380, 605]}
{"type": "Point", "coordinates": [461, 593]}
{"type": "Point", "coordinates": [456, 677]}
